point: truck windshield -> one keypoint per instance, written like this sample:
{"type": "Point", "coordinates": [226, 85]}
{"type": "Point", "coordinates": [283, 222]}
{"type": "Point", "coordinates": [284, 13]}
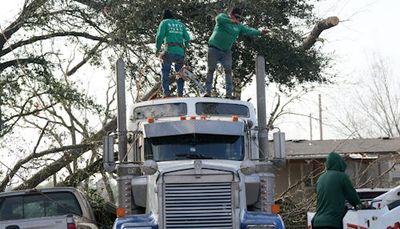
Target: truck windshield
{"type": "Point", "coordinates": [38, 205]}
{"type": "Point", "coordinates": [194, 146]}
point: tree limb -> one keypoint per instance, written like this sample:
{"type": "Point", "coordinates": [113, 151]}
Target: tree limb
{"type": "Point", "coordinates": [31, 40]}
{"type": "Point", "coordinates": [34, 155]}
{"type": "Point", "coordinates": [317, 30]}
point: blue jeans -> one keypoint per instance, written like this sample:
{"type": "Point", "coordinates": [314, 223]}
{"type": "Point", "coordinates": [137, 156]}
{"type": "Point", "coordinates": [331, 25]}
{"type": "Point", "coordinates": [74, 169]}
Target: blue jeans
{"type": "Point", "coordinates": [168, 59]}
{"type": "Point", "coordinates": [216, 56]}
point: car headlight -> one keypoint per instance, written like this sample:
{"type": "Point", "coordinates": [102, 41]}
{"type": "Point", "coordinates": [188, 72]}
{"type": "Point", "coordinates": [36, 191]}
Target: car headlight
{"type": "Point", "coordinates": [261, 227]}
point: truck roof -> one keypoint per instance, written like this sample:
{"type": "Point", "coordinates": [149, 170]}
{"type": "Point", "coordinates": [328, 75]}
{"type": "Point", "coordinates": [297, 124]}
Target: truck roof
{"type": "Point", "coordinates": [37, 190]}
{"type": "Point", "coordinates": [192, 106]}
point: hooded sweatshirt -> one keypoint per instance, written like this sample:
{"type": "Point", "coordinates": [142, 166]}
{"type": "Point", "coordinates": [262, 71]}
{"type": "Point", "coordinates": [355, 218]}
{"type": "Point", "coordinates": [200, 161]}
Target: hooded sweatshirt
{"type": "Point", "coordinates": [226, 32]}
{"type": "Point", "coordinates": [333, 188]}
{"type": "Point", "coordinates": [172, 31]}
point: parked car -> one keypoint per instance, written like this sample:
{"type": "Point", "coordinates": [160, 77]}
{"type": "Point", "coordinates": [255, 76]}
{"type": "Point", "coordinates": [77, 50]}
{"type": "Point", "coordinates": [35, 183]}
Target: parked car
{"type": "Point", "coordinates": [48, 208]}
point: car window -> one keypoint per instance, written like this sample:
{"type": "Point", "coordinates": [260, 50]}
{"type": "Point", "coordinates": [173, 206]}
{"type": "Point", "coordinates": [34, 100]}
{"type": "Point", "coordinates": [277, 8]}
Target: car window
{"type": "Point", "coordinates": [38, 205]}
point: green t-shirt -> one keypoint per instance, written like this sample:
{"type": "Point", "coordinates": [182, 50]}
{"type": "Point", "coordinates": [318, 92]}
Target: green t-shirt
{"type": "Point", "coordinates": [173, 32]}
{"type": "Point", "coordinates": [226, 32]}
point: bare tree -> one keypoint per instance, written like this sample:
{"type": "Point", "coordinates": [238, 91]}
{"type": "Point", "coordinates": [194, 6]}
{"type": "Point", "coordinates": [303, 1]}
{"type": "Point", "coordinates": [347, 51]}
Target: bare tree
{"type": "Point", "coordinates": [375, 112]}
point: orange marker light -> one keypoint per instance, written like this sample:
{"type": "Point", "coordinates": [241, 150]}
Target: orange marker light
{"type": "Point", "coordinates": [150, 119]}
{"type": "Point", "coordinates": [182, 118]}
{"type": "Point", "coordinates": [235, 118]}
{"type": "Point", "coordinates": [120, 212]}
{"type": "Point", "coordinates": [192, 117]}
{"type": "Point", "coordinates": [275, 208]}
{"type": "Point", "coordinates": [203, 117]}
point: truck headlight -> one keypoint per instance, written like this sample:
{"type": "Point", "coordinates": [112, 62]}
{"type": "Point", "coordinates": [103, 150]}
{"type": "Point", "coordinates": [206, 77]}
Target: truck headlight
{"type": "Point", "coordinates": [149, 167]}
{"type": "Point", "coordinates": [247, 167]}
{"type": "Point", "coordinates": [261, 227]}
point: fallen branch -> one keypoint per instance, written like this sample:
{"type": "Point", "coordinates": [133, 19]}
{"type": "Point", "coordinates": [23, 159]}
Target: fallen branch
{"type": "Point", "coordinates": [322, 25]}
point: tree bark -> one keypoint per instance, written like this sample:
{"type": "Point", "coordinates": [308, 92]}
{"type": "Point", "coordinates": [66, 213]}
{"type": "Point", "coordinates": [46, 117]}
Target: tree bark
{"type": "Point", "coordinates": [317, 30]}
{"type": "Point", "coordinates": [82, 174]}
{"type": "Point", "coordinates": [57, 165]}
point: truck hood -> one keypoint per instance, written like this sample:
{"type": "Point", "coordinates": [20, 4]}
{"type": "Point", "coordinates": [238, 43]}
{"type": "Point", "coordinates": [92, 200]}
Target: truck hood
{"type": "Point", "coordinates": [221, 165]}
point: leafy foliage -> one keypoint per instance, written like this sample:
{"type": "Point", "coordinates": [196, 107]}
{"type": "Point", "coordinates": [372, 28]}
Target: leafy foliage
{"type": "Point", "coordinates": [103, 212]}
{"type": "Point", "coordinates": [287, 63]}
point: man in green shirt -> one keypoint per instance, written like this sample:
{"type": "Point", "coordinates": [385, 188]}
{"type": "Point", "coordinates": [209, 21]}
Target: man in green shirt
{"type": "Point", "coordinates": [227, 29]}
{"type": "Point", "coordinates": [333, 189]}
{"type": "Point", "coordinates": [173, 34]}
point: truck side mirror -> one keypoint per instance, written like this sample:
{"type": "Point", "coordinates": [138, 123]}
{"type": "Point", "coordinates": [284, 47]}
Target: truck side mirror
{"type": "Point", "coordinates": [279, 157]}
{"type": "Point", "coordinates": [108, 153]}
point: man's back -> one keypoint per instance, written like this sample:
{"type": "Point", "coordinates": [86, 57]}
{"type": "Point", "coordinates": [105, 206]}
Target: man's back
{"type": "Point", "coordinates": [173, 33]}
{"type": "Point", "coordinates": [333, 188]}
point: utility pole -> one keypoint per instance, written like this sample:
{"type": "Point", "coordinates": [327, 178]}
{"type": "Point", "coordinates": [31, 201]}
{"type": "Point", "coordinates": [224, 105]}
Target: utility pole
{"type": "Point", "coordinates": [320, 117]}
{"type": "Point", "coordinates": [310, 127]}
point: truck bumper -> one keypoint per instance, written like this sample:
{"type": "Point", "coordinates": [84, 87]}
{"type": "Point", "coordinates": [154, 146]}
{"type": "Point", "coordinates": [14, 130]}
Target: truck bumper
{"type": "Point", "coordinates": [145, 221]}
{"type": "Point", "coordinates": [260, 220]}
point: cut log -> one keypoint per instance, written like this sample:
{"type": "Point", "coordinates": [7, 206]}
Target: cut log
{"type": "Point", "coordinates": [322, 25]}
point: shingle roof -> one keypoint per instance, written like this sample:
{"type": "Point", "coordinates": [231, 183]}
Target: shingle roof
{"type": "Point", "coordinates": [320, 148]}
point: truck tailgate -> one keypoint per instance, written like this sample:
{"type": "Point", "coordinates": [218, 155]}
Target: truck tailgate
{"type": "Point", "coordinates": [54, 222]}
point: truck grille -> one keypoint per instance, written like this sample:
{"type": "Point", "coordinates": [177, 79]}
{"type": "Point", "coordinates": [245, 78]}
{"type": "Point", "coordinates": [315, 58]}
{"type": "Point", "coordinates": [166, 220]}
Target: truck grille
{"type": "Point", "coordinates": [198, 205]}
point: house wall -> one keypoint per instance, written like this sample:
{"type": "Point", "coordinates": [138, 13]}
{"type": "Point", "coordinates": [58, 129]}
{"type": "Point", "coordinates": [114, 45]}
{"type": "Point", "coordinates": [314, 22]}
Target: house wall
{"type": "Point", "coordinates": [359, 171]}
{"type": "Point", "coordinates": [298, 173]}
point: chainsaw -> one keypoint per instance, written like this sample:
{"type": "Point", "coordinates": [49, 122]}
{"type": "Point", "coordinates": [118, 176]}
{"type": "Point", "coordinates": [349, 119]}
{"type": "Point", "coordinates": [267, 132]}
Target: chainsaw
{"type": "Point", "coordinates": [188, 75]}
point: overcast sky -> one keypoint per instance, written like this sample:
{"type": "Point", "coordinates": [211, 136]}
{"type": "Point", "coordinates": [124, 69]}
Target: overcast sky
{"type": "Point", "coordinates": [366, 27]}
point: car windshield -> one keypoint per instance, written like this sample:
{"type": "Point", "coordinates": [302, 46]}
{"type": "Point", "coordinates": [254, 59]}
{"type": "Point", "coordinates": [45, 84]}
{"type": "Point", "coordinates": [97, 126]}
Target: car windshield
{"type": "Point", "coordinates": [38, 205]}
{"type": "Point", "coordinates": [194, 146]}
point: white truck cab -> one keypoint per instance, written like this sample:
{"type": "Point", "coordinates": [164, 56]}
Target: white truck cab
{"type": "Point", "coordinates": [196, 167]}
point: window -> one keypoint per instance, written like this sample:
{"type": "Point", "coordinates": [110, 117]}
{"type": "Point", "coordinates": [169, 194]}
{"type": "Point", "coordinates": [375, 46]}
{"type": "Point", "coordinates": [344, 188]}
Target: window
{"type": "Point", "coordinates": [395, 173]}
{"type": "Point", "coordinates": [194, 146]}
{"type": "Point", "coordinates": [160, 110]}
{"type": "Point", "coordinates": [222, 109]}
{"type": "Point", "coordinates": [38, 205]}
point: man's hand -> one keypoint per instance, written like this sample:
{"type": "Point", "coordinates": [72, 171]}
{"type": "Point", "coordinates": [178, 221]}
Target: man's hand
{"type": "Point", "coordinates": [159, 54]}
{"type": "Point", "coordinates": [264, 31]}
{"type": "Point", "coordinates": [234, 20]}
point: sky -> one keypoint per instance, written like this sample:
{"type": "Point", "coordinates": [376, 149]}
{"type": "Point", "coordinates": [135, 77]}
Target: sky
{"type": "Point", "coordinates": [366, 28]}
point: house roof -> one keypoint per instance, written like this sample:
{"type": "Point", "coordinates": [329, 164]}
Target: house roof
{"type": "Point", "coordinates": [302, 149]}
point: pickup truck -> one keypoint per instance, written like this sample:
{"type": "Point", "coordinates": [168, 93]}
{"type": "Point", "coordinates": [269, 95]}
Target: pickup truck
{"type": "Point", "coordinates": [378, 211]}
{"type": "Point", "coordinates": [48, 208]}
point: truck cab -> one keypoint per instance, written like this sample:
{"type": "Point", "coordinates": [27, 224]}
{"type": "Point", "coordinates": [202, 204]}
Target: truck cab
{"type": "Point", "coordinates": [192, 163]}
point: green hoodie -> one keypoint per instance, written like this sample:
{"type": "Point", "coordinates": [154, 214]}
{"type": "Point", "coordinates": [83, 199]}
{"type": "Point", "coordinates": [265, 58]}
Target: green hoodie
{"type": "Point", "coordinates": [172, 31]}
{"type": "Point", "coordinates": [333, 188]}
{"type": "Point", "coordinates": [226, 32]}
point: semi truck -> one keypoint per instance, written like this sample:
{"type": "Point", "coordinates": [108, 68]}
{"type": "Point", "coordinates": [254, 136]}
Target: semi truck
{"type": "Point", "coordinates": [194, 162]}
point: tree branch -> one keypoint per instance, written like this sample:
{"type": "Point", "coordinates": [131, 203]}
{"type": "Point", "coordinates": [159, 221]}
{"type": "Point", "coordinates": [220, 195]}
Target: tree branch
{"type": "Point", "coordinates": [22, 61]}
{"type": "Point", "coordinates": [317, 30]}
{"type": "Point", "coordinates": [48, 36]}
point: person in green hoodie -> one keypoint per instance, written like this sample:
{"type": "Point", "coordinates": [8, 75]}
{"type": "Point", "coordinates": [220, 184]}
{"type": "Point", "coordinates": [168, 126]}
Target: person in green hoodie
{"type": "Point", "coordinates": [333, 189]}
{"type": "Point", "coordinates": [226, 30]}
{"type": "Point", "coordinates": [175, 37]}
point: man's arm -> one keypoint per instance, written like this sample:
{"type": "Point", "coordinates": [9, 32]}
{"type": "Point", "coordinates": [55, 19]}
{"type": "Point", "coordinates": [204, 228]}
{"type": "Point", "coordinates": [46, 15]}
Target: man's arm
{"type": "Point", "coordinates": [223, 19]}
{"type": "Point", "coordinates": [350, 193]}
{"type": "Point", "coordinates": [248, 31]}
{"type": "Point", "coordinates": [186, 37]}
{"type": "Point", "coordinates": [160, 36]}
